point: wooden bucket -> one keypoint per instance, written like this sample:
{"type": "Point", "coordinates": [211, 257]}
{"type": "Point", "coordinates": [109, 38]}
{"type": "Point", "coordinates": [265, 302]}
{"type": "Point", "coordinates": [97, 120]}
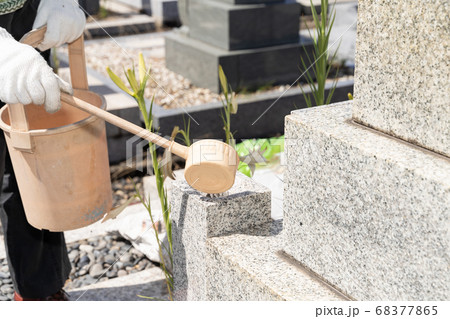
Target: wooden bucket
{"type": "Point", "coordinates": [60, 160]}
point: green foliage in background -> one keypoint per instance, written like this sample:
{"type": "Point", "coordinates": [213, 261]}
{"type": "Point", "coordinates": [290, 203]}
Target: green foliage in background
{"type": "Point", "coordinates": [317, 74]}
{"type": "Point", "coordinates": [258, 152]}
{"type": "Point", "coordinates": [230, 106]}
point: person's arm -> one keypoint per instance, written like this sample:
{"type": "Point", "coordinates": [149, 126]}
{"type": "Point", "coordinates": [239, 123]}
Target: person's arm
{"type": "Point", "coordinates": [25, 76]}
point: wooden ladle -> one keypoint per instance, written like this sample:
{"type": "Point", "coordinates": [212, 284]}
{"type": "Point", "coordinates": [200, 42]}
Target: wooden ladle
{"type": "Point", "coordinates": [211, 165]}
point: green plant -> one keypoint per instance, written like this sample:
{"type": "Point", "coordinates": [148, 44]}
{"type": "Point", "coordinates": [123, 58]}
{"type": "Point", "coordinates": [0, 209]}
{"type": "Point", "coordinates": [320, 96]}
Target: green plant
{"type": "Point", "coordinates": [321, 63]}
{"type": "Point", "coordinates": [254, 153]}
{"type": "Point", "coordinates": [186, 132]}
{"type": "Point", "coordinates": [136, 90]}
{"type": "Point", "coordinates": [230, 106]}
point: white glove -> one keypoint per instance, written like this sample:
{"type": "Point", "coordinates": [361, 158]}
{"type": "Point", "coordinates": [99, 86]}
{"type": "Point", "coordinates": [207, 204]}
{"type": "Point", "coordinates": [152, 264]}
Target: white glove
{"type": "Point", "coordinates": [26, 78]}
{"type": "Point", "coordinates": [64, 19]}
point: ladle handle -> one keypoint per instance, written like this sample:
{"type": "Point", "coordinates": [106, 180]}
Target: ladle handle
{"type": "Point", "coordinates": [175, 148]}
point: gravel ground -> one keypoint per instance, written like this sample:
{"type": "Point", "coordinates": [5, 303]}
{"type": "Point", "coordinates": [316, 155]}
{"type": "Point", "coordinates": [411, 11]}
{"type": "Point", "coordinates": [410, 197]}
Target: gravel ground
{"type": "Point", "coordinates": [171, 90]}
{"type": "Point", "coordinates": [90, 259]}
{"type": "Point", "coordinates": [102, 258]}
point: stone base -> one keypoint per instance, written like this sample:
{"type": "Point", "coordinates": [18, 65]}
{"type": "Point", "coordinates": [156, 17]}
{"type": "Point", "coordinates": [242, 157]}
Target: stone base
{"type": "Point", "coordinates": [165, 12]}
{"type": "Point", "coordinates": [196, 217]}
{"type": "Point", "coordinates": [253, 68]}
{"type": "Point", "coordinates": [248, 266]}
{"type": "Point", "coordinates": [367, 212]}
{"type": "Point", "coordinates": [244, 26]}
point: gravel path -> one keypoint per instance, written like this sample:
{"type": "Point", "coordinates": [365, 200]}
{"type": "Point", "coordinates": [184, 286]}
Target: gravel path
{"type": "Point", "coordinates": [90, 259]}
{"type": "Point", "coordinates": [103, 258]}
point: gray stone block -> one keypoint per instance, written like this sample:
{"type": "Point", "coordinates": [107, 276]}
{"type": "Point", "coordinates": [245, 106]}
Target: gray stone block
{"type": "Point", "coordinates": [248, 266]}
{"type": "Point", "coordinates": [199, 63]}
{"type": "Point", "coordinates": [402, 71]}
{"type": "Point", "coordinates": [367, 212]}
{"type": "Point", "coordinates": [196, 217]}
{"type": "Point", "coordinates": [165, 11]}
{"type": "Point", "coordinates": [236, 27]}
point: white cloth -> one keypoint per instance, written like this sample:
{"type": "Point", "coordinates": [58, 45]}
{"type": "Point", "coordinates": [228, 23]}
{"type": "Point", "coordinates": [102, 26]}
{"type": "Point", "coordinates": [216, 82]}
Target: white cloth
{"type": "Point", "coordinates": [64, 19]}
{"type": "Point", "coordinates": [25, 76]}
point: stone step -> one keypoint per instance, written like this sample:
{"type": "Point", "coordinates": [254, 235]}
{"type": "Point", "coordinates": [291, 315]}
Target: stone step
{"type": "Point", "coordinates": [251, 266]}
{"type": "Point", "coordinates": [366, 211]}
{"type": "Point", "coordinates": [148, 283]}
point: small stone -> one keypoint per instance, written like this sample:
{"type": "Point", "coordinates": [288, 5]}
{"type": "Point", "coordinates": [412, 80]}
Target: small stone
{"type": "Point", "coordinates": [75, 245]}
{"type": "Point", "coordinates": [6, 281]}
{"type": "Point", "coordinates": [136, 253]}
{"type": "Point", "coordinates": [3, 298]}
{"type": "Point", "coordinates": [100, 260]}
{"type": "Point", "coordinates": [119, 244]}
{"type": "Point", "coordinates": [83, 261]}
{"type": "Point", "coordinates": [73, 254]}
{"type": "Point", "coordinates": [82, 272]}
{"type": "Point", "coordinates": [7, 289]}
{"type": "Point", "coordinates": [126, 258]}
{"type": "Point", "coordinates": [87, 280]}
{"type": "Point", "coordinates": [101, 244]}
{"type": "Point", "coordinates": [111, 273]}
{"type": "Point", "coordinates": [4, 269]}
{"type": "Point", "coordinates": [142, 264]}
{"type": "Point", "coordinates": [121, 273]}
{"type": "Point", "coordinates": [119, 193]}
{"type": "Point", "coordinates": [96, 270]}
{"type": "Point", "coordinates": [4, 275]}
{"type": "Point", "coordinates": [119, 265]}
{"type": "Point", "coordinates": [109, 259]}
{"type": "Point", "coordinates": [87, 248]}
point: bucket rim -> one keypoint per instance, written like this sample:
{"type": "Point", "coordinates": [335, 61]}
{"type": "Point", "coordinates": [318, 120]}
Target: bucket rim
{"type": "Point", "coordinates": [55, 130]}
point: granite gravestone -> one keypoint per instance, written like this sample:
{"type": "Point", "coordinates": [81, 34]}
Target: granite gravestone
{"type": "Point", "coordinates": [367, 206]}
{"type": "Point", "coordinates": [256, 42]}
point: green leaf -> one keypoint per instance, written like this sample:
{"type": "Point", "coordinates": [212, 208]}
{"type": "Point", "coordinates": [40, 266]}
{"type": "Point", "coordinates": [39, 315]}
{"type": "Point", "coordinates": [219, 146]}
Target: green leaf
{"type": "Point", "coordinates": [131, 76]}
{"type": "Point", "coordinates": [143, 73]}
{"type": "Point", "coordinates": [244, 169]}
{"type": "Point", "coordinates": [223, 82]}
{"type": "Point", "coordinates": [118, 81]}
{"type": "Point", "coordinates": [234, 104]}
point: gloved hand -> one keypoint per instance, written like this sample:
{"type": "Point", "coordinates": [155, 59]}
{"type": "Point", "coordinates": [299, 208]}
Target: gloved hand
{"type": "Point", "coordinates": [25, 76]}
{"type": "Point", "coordinates": [64, 19]}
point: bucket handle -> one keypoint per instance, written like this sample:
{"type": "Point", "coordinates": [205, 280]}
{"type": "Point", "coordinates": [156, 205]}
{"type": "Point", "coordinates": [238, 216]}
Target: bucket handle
{"type": "Point", "coordinates": [20, 135]}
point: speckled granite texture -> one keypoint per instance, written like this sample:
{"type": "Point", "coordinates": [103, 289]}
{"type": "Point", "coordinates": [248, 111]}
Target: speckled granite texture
{"type": "Point", "coordinates": [368, 212]}
{"type": "Point", "coordinates": [402, 75]}
{"type": "Point", "coordinates": [248, 267]}
{"type": "Point", "coordinates": [196, 218]}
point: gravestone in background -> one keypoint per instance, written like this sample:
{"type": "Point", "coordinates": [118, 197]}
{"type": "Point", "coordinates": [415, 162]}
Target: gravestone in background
{"type": "Point", "coordinates": [256, 42]}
